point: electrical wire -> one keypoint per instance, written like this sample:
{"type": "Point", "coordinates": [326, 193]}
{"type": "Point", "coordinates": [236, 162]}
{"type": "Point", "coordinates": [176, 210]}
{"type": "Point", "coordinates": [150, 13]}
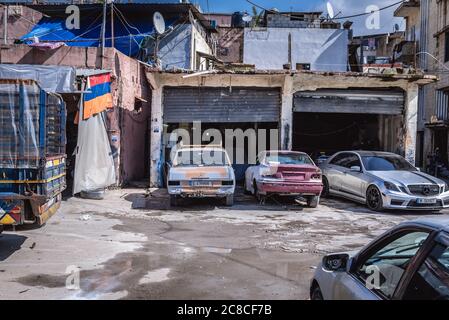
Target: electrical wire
{"type": "Point", "coordinates": [122, 15]}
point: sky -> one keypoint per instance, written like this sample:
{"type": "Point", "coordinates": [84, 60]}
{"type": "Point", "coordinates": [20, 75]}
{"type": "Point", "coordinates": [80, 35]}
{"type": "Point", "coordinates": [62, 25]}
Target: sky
{"type": "Point", "coordinates": [346, 7]}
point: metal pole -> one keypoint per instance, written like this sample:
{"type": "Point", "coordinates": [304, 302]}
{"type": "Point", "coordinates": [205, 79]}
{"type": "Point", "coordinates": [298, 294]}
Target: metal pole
{"type": "Point", "coordinates": [5, 24]}
{"type": "Point", "coordinates": [103, 29]}
{"type": "Point", "coordinates": [112, 25]}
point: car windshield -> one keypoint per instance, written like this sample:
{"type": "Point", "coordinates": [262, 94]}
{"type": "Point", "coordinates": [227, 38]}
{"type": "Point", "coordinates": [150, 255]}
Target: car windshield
{"type": "Point", "coordinates": [288, 158]}
{"type": "Point", "coordinates": [386, 163]}
{"type": "Point", "coordinates": [206, 157]}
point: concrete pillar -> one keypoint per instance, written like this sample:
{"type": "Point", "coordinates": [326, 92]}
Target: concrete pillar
{"type": "Point", "coordinates": [286, 123]}
{"type": "Point", "coordinates": [157, 129]}
{"type": "Point", "coordinates": [411, 122]}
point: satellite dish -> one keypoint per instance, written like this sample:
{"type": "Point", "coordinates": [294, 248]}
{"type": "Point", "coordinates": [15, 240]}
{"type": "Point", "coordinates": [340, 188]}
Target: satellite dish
{"type": "Point", "coordinates": [159, 22]}
{"type": "Point", "coordinates": [330, 10]}
{"type": "Point", "coordinates": [247, 18]}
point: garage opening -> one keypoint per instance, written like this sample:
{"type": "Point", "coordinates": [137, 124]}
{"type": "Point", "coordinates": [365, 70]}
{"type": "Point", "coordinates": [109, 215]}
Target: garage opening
{"type": "Point", "coordinates": [326, 133]}
{"type": "Point", "coordinates": [245, 119]}
{"type": "Point", "coordinates": [328, 121]}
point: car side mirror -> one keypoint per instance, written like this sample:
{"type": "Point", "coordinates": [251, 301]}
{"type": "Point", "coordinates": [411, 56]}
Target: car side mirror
{"type": "Point", "coordinates": [336, 262]}
{"type": "Point", "coordinates": [356, 169]}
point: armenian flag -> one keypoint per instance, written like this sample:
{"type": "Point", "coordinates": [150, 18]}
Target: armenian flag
{"type": "Point", "coordinates": [100, 97]}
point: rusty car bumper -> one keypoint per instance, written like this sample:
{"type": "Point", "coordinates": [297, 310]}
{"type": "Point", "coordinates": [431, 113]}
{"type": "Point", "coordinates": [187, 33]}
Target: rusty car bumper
{"type": "Point", "coordinates": [202, 192]}
{"type": "Point", "coordinates": [290, 188]}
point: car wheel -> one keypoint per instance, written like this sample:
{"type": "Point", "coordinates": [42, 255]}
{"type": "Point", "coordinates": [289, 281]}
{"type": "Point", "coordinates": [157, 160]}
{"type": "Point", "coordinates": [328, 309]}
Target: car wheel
{"type": "Point", "coordinates": [325, 192]}
{"type": "Point", "coordinates": [173, 200]}
{"type": "Point", "coordinates": [245, 190]}
{"type": "Point", "coordinates": [229, 200]}
{"type": "Point", "coordinates": [313, 201]}
{"type": "Point", "coordinates": [258, 196]}
{"type": "Point", "coordinates": [316, 294]}
{"type": "Point", "coordinates": [374, 199]}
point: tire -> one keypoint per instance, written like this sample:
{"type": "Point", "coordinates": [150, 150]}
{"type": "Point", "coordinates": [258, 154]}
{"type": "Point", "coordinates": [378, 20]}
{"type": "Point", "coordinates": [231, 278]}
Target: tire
{"type": "Point", "coordinates": [316, 294]}
{"type": "Point", "coordinates": [313, 201]}
{"type": "Point", "coordinates": [173, 200]}
{"type": "Point", "coordinates": [374, 199]}
{"type": "Point", "coordinates": [246, 191]}
{"type": "Point", "coordinates": [229, 200]}
{"type": "Point", "coordinates": [325, 192]}
{"type": "Point", "coordinates": [258, 196]}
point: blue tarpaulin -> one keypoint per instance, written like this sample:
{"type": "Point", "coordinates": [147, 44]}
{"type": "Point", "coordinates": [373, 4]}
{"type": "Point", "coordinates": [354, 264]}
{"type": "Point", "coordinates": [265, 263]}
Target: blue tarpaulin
{"type": "Point", "coordinates": [129, 31]}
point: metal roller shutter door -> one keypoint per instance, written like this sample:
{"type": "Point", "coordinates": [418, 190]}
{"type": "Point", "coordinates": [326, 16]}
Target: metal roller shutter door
{"type": "Point", "coordinates": [350, 101]}
{"type": "Point", "coordinates": [221, 105]}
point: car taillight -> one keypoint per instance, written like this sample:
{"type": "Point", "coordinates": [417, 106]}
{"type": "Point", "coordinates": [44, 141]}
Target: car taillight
{"type": "Point", "coordinates": [316, 176]}
{"type": "Point", "coordinates": [174, 183]}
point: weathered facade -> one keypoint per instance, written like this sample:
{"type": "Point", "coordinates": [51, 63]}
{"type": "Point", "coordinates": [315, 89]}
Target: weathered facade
{"type": "Point", "coordinates": [427, 29]}
{"type": "Point", "coordinates": [395, 128]}
{"type": "Point", "coordinates": [312, 48]}
{"type": "Point", "coordinates": [20, 20]}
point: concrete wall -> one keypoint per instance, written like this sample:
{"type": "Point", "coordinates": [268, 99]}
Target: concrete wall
{"type": "Point", "coordinates": [20, 21]}
{"type": "Point", "coordinates": [285, 21]}
{"type": "Point", "coordinates": [175, 49]}
{"type": "Point", "coordinates": [289, 84]}
{"type": "Point", "coordinates": [230, 44]}
{"type": "Point", "coordinates": [221, 20]}
{"type": "Point", "coordinates": [324, 49]}
{"type": "Point", "coordinates": [199, 44]}
{"type": "Point", "coordinates": [179, 48]}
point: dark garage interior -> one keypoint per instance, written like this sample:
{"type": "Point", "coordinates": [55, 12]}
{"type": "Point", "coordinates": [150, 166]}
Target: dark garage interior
{"type": "Point", "coordinates": [327, 133]}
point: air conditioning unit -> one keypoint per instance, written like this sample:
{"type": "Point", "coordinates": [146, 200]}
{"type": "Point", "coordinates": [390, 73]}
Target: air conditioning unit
{"type": "Point", "coordinates": [15, 11]}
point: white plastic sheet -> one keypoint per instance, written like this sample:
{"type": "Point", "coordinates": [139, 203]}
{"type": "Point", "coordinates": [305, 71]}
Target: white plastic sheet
{"type": "Point", "coordinates": [94, 166]}
{"type": "Point", "coordinates": [19, 124]}
{"type": "Point", "coordinates": [59, 79]}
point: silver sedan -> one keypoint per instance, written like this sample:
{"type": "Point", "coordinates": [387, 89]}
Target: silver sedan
{"type": "Point", "coordinates": [408, 262]}
{"type": "Point", "coordinates": [382, 180]}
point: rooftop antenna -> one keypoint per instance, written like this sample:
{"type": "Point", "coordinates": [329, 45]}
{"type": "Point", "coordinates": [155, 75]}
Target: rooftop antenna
{"type": "Point", "coordinates": [246, 17]}
{"type": "Point", "coordinates": [330, 10]}
{"type": "Point", "coordinates": [159, 26]}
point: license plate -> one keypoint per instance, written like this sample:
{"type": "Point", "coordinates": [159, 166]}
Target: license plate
{"type": "Point", "coordinates": [201, 183]}
{"type": "Point", "coordinates": [426, 201]}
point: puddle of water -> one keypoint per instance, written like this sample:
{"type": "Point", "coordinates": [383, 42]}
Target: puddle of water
{"type": "Point", "coordinates": [158, 275]}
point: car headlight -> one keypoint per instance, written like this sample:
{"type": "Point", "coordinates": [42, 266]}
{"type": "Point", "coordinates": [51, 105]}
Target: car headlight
{"type": "Point", "coordinates": [391, 186]}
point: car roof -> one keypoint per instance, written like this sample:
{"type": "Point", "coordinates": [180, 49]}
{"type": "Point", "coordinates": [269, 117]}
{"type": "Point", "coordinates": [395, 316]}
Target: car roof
{"type": "Point", "coordinates": [201, 149]}
{"type": "Point", "coordinates": [436, 223]}
{"type": "Point", "coordinates": [364, 153]}
{"type": "Point", "coordinates": [283, 152]}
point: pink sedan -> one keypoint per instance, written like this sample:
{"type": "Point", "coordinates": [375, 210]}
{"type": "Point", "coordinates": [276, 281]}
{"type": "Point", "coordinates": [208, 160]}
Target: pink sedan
{"type": "Point", "coordinates": [285, 173]}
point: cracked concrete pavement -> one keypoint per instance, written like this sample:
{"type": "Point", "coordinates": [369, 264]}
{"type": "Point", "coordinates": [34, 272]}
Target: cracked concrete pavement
{"type": "Point", "coordinates": [134, 246]}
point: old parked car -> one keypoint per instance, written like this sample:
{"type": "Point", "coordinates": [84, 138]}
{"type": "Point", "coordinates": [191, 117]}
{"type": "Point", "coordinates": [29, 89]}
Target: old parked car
{"type": "Point", "coordinates": [199, 172]}
{"type": "Point", "coordinates": [285, 173]}
{"type": "Point", "coordinates": [409, 262]}
{"type": "Point", "coordinates": [382, 180]}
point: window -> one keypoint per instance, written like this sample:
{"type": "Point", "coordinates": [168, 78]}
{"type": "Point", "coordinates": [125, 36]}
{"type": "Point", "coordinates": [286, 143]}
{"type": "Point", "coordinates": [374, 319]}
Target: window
{"type": "Point", "coordinates": [339, 159]}
{"type": "Point", "coordinates": [383, 270]}
{"type": "Point", "coordinates": [441, 104]}
{"type": "Point", "coordinates": [205, 157]}
{"type": "Point", "coordinates": [446, 46]}
{"type": "Point", "coordinates": [431, 281]}
{"type": "Point", "coordinates": [288, 158]}
{"type": "Point", "coordinates": [351, 161]}
{"type": "Point", "coordinates": [297, 17]}
{"type": "Point", "coordinates": [386, 163]}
